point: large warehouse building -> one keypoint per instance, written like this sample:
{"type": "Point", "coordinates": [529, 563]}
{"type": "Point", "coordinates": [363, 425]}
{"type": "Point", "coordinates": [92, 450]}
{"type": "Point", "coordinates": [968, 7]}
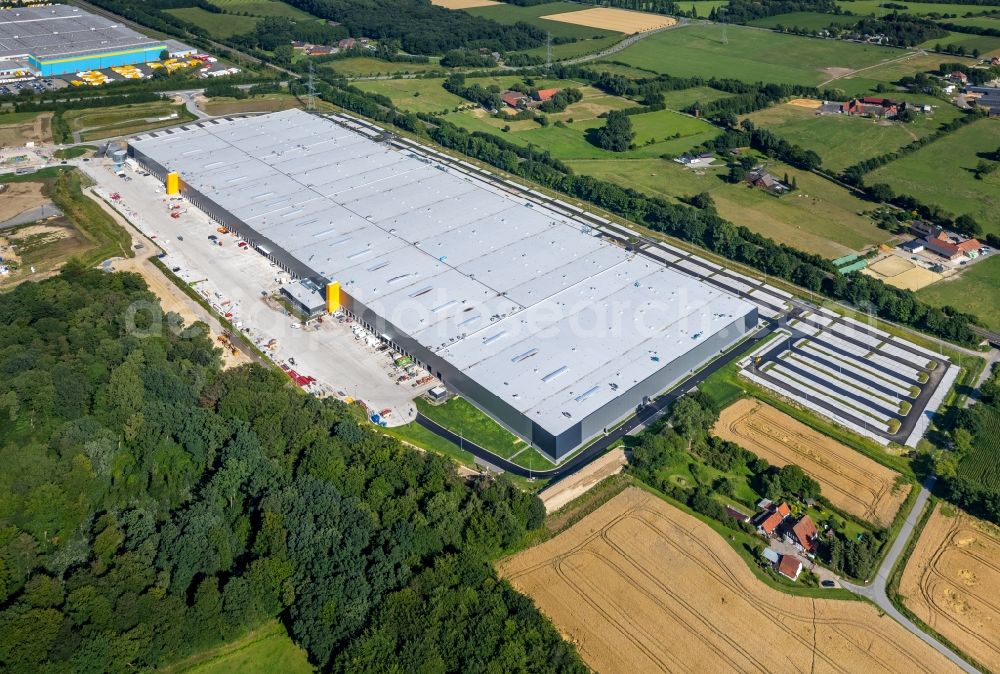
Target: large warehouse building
{"type": "Point", "coordinates": [533, 317]}
{"type": "Point", "coordinates": [51, 40]}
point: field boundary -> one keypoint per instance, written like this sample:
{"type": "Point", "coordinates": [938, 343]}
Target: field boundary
{"type": "Point", "coordinates": [892, 586]}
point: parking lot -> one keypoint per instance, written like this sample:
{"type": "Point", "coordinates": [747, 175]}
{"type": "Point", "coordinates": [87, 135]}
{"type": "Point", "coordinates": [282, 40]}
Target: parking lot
{"type": "Point", "coordinates": [860, 377]}
{"type": "Point", "coordinates": [238, 283]}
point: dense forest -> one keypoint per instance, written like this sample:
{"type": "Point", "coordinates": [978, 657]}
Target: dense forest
{"type": "Point", "coordinates": [152, 506]}
{"type": "Point", "coordinates": [427, 29]}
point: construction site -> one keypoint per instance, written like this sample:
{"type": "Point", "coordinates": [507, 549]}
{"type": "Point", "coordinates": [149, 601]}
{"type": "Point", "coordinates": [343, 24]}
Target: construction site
{"type": "Point", "coordinates": [534, 317]}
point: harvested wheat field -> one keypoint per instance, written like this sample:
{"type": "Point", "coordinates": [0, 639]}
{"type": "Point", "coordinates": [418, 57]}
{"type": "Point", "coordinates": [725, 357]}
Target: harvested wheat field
{"type": "Point", "coordinates": [952, 583]}
{"type": "Point", "coordinates": [640, 586]}
{"type": "Point", "coordinates": [810, 103]}
{"type": "Point", "coordinates": [609, 18]}
{"type": "Point", "coordinates": [463, 4]}
{"type": "Point", "coordinates": [853, 482]}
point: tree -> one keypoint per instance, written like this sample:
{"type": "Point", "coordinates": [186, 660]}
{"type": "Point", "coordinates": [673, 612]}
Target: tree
{"type": "Point", "coordinates": [616, 135]}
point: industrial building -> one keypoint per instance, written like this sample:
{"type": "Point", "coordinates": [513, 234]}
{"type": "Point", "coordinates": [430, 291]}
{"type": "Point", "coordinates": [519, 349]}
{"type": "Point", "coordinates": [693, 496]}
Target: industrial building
{"type": "Point", "coordinates": [532, 316]}
{"type": "Point", "coordinates": [52, 40]}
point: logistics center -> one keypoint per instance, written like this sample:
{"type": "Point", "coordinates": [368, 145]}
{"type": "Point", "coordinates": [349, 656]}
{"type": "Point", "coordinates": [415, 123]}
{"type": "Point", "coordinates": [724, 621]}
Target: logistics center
{"type": "Point", "coordinates": [52, 40]}
{"type": "Point", "coordinates": [535, 318]}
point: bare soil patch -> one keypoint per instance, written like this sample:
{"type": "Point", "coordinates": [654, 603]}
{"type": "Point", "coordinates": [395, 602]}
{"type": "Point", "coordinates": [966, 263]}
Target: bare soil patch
{"type": "Point", "coordinates": [463, 4]}
{"type": "Point", "coordinates": [45, 246]}
{"type": "Point", "coordinates": [609, 18]}
{"type": "Point", "coordinates": [640, 586]}
{"type": "Point", "coordinates": [564, 491]}
{"type": "Point", "coordinates": [837, 73]}
{"type": "Point", "coordinates": [16, 198]}
{"type": "Point", "coordinates": [902, 273]}
{"type": "Point", "coordinates": [952, 583]}
{"type": "Point", "coordinates": [38, 130]}
{"type": "Point", "coordinates": [853, 482]}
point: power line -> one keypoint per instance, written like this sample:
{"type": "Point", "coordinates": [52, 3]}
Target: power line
{"type": "Point", "coordinates": [311, 89]}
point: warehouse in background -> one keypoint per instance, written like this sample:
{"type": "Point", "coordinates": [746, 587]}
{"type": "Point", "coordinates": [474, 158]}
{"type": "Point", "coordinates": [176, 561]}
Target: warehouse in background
{"type": "Point", "coordinates": [532, 316]}
{"type": "Point", "coordinates": [53, 40]}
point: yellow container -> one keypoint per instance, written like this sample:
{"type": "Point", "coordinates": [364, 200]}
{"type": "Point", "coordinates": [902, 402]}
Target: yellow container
{"type": "Point", "coordinates": [173, 183]}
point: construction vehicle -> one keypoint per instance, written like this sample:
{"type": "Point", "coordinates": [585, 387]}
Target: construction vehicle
{"type": "Point", "coordinates": [222, 230]}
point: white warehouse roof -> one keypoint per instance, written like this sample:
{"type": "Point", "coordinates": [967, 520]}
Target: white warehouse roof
{"type": "Point", "coordinates": [534, 307]}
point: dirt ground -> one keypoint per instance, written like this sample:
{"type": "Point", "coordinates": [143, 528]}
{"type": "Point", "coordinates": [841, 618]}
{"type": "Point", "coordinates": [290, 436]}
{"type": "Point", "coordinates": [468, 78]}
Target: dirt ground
{"type": "Point", "coordinates": [852, 481]}
{"type": "Point", "coordinates": [810, 103]}
{"type": "Point", "coordinates": [952, 583]}
{"type": "Point", "coordinates": [45, 246]}
{"type": "Point", "coordinates": [836, 73]}
{"type": "Point", "coordinates": [16, 198]}
{"type": "Point", "coordinates": [463, 4]}
{"type": "Point", "coordinates": [564, 491]}
{"type": "Point", "coordinates": [38, 130]}
{"type": "Point", "coordinates": [901, 273]}
{"type": "Point", "coordinates": [640, 586]}
{"type": "Point", "coordinates": [609, 18]}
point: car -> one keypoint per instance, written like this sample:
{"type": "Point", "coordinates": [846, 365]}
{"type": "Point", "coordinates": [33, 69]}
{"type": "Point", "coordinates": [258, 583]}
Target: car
{"type": "Point", "coordinates": [828, 583]}
{"type": "Point", "coordinates": [180, 238]}
{"type": "Point", "coordinates": [212, 237]}
{"type": "Point", "coordinates": [175, 269]}
{"type": "Point", "coordinates": [64, 162]}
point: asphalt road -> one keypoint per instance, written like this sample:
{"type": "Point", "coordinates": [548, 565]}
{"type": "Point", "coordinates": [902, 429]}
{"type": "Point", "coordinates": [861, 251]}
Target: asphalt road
{"type": "Point", "coordinates": [876, 591]}
{"type": "Point", "coordinates": [644, 417]}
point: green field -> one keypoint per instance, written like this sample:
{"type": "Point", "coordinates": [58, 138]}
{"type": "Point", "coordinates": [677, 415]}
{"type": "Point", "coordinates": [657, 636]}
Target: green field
{"type": "Point", "coordinates": [97, 123]}
{"type": "Point", "coordinates": [265, 650]}
{"type": "Point", "coordinates": [841, 140]}
{"type": "Point", "coordinates": [751, 55]}
{"type": "Point", "coordinates": [704, 7]}
{"type": "Point", "coordinates": [986, 45]}
{"type": "Point", "coordinates": [573, 49]}
{"type": "Point", "coordinates": [365, 66]}
{"type": "Point", "coordinates": [678, 100]}
{"type": "Point", "coordinates": [219, 26]}
{"type": "Point", "coordinates": [873, 7]}
{"type": "Point", "coordinates": [819, 218]}
{"type": "Point", "coordinates": [416, 95]}
{"type": "Point", "coordinates": [813, 20]}
{"type": "Point", "coordinates": [508, 14]}
{"type": "Point", "coordinates": [982, 464]}
{"type": "Point", "coordinates": [940, 173]}
{"type": "Point", "coordinates": [979, 21]}
{"type": "Point", "coordinates": [264, 8]}
{"type": "Point", "coordinates": [461, 417]}
{"type": "Point", "coordinates": [866, 80]}
{"type": "Point", "coordinates": [74, 152]}
{"type": "Point", "coordinates": [976, 290]}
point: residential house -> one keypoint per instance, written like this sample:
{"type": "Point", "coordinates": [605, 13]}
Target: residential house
{"type": "Point", "coordinates": [923, 228]}
{"type": "Point", "coordinates": [771, 518]}
{"type": "Point", "coordinates": [958, 77]}
{"type": "Point", "coordinates": [790, 567]}
{"type": "Point", "coordinates": [347, 43]}
{"type": "Point", "coordinates": [805, 534]}
{"type": "Point", "coordinates": [759, 177]}
{"type": "Point", "coordinates": [514, 99]}
{"type": "Point", "coordinates": [737, 515]}
{"type": "Point", "coordinates": [952, 248]}
{"type": "Point", "coordinates": [543, 95]}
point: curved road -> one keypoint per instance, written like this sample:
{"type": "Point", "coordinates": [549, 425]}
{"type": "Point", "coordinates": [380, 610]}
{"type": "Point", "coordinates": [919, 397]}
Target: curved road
{"type": "Point", "coordinates": [876, 591]}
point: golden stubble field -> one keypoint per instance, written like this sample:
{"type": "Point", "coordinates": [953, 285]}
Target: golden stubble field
{"type": "Point", "coordinates": [952, 583]}
{"type": "Point", "coordinates": [853, 482]}
{"type": "Point", "coordinates": [640, 586]}
{"type": "Point", "coordinates": [463, 4]}
{"type": "Point", "coordinates": [610, 18]}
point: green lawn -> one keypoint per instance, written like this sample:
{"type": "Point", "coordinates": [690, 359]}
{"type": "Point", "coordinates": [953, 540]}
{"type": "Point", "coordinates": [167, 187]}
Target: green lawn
{"type": "Point", "coordinates": [578, 48]}
{"type": "Point", "coordinates": [841, 140]}
{"type": "Point", "coordinates": [976, 290]}
{"type": "Point", "coordinates": [751, 54]}
{"type": "Point", "coordinates": [703, 7]}
{"type": "Point", "coordinates": [268, 649]}
{"type": "Point", "coordinates": [365, 66]}
{"type": "Point", "coordinates": [219, 26]}
{"type": "Point", "coordinates": [415, 434]}
{"type": "Point", "coordinates": [820, 218]}
{"type": "Point", "coordinates": [461, 417]}
{"type": "Point", "coordinates": [8, 118]}
{"type": "Point", "coordinates": [979, 21]}
{"type": "Point", "coordinates": [678, 100]}
{"type": "Point", "coordinates": [74, 152]}
{"type": "Point", "coordinates": [940, 173]}
{"type": "Point", "coordinates": [264, 8]}
{"type": "Point", "coordinates": [416, 95]}
{"type": "Point", "coordinates": [508, 14]}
